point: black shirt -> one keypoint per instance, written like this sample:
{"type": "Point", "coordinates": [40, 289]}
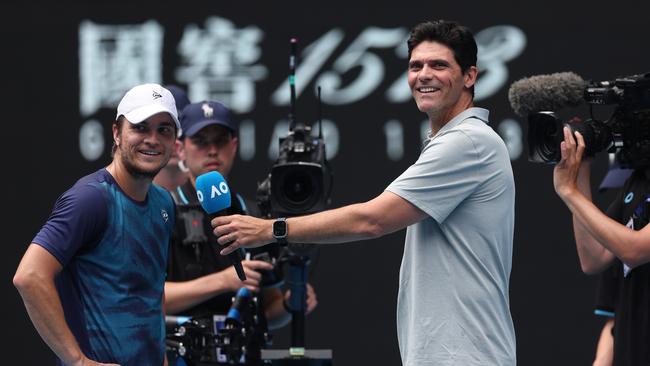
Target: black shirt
{"type": "Point", "coordinates": [628, 295]}
{"type": "Point", "coordinates": [194, 251]}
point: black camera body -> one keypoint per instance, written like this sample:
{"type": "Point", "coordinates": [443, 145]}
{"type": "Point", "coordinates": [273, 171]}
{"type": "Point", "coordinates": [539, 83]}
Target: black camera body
{"type": "Point", "coordinates": [626, 132]}
{"type": "Point", "coordinates": [300, 181]}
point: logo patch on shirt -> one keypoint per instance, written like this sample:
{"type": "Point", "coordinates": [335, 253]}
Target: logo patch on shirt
{"type": "Point", "coordinates": [629, 197]}
{"type": "Point", "coordinates": [164, 214]}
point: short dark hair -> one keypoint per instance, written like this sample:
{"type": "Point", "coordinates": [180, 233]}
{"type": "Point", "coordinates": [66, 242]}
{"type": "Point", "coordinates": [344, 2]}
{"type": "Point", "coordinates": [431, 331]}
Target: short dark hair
{"type": "Point", "coordinates": [118, 122]}
{"type": "Point", "coordinates": [450, 33]}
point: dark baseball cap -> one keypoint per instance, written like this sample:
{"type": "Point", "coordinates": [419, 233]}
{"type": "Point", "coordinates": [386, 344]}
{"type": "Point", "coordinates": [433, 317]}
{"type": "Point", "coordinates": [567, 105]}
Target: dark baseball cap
{"type": "Point", "coordinates": [196, 116]}
{"type": "Point", "coordinates": [180, 96]}
{"type": "Point", "coordinates": [615, 177]}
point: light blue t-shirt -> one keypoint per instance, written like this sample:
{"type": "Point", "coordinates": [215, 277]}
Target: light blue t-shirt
{"type": "Point", "coordinates": [453, 306]}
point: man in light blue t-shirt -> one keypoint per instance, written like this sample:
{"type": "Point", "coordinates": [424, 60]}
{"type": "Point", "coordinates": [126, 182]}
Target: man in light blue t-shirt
{"type": "Point", "coordinates": [457, 201]}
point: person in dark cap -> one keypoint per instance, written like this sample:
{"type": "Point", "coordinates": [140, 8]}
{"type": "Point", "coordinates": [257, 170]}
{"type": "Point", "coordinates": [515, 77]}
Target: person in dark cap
{"type": "Point", "coordinates": [614, 244]}
{"type": "Point", "coordinates": [174, 173]}
{"type": "Point", "coordinates": [607, 280]}
{"type": "Point", "coordinates": [200, 282]}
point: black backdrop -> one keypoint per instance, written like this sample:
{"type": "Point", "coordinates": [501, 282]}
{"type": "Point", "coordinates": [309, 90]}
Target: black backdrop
{"type": "Point", "coordinates": [551, 299]}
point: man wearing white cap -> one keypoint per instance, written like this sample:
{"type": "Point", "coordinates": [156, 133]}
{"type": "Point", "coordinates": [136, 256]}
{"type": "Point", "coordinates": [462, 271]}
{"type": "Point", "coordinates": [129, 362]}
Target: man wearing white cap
{"type": "Point", "coordinates": [92, 279]}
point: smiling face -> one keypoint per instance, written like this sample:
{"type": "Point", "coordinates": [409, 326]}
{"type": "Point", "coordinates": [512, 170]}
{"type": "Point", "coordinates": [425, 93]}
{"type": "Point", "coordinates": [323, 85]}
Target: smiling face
{"type": "Point", "coordinates": [144, 148]}
{"type": "Point", "coordinates": [438, 85]}
{"type": "Point", "coordinates": [212, 148]}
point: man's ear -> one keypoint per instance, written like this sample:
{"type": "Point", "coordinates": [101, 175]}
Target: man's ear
{"type": "Point", "coordinates": [116, 134]}
{"type": "Point", "coordinates": [469, 77]}
{"type": "Point", "coordinates": [180, 149]}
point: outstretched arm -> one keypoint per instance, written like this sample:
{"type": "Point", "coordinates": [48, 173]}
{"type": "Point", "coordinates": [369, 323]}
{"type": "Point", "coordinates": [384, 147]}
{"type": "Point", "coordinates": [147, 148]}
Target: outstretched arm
{"type": "Point", "coordinates": [380, 216]}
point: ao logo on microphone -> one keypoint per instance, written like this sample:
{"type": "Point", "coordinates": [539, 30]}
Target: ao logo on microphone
{"type": "Point", "coordinates": [214, 191]}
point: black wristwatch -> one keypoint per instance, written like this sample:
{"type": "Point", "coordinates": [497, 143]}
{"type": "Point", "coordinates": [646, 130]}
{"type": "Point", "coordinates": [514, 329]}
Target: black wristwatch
{"type": "Point", "coordinates": [280, 230]}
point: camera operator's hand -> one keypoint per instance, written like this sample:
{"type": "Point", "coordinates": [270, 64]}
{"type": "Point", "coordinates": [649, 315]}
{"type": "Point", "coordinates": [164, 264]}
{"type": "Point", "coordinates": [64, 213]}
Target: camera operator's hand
{"type": "Point", "coordinates": [312, 301]}
{"type": "Point", "coordinates": [565, 173]}
{"type": "Point", "coordinates": [239, 231]}
{"type": "Point", "coordinates": [252, 268]}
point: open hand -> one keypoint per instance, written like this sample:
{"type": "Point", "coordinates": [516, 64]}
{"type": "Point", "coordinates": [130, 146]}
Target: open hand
{"type": "Point", "coordinates": [312, 301]}
{"type": "Point", "coordinates": [239, 231]}
{"type": "Point", "coordinates": [565, 173]}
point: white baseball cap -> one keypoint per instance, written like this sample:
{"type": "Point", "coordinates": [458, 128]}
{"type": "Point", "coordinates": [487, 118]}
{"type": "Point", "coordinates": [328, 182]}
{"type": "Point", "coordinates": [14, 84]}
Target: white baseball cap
{"type": "Point", "coordinates": [143, 101]}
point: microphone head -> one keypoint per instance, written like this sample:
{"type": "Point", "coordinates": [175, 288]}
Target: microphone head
{"type": "Point", "coordinates": [238, 304]}
{"type": "Point", "coordinates": [213, 192]}
{"type": "Point", "coordinates": [546, 93]}
{"type": "Point", "coordinates": [243, 292]}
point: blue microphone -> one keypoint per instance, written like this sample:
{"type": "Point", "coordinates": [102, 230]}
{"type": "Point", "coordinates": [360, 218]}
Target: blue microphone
{"type": "Point", "coordinates": [214, 195]}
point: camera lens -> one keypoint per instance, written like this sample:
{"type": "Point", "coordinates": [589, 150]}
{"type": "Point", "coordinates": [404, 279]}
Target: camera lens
{"type": "Point", "coordinates": [544, 136]}
{"type": "Point", "coordinates": [548, 140]}
{"type": "Point", "coordinates": [298, 187]}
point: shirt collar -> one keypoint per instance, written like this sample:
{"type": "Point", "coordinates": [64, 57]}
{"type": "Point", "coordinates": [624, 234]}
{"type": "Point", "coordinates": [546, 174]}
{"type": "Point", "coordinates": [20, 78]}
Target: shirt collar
{"type": "Point", "coordinates": [473, 112]}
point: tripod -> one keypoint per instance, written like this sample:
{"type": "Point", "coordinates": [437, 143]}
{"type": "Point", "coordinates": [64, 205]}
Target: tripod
{"type": "Point", "coordinates": [298, 260]}
{"type": "Point", "coordinates": [297, 305]}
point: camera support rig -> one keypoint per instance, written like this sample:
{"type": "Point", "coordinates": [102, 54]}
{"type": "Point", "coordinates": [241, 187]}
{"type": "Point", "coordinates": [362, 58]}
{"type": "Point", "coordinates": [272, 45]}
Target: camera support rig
{"type": "Point", "coordinates": [299, 183]}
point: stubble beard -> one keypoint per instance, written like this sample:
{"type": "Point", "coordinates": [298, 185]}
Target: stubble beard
{"type": "Point", "coordinates": [134, 170]}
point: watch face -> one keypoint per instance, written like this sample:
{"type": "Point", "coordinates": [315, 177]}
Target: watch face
{"type": "Point", "coordinates": [280, 229]}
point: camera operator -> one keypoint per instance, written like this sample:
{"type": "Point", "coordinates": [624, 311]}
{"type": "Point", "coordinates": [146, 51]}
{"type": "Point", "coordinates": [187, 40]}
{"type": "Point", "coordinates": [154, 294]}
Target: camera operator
{"type": "Point", "coordinates": [617, 241]}
{"type": "Point", "coordinates": [457, 201]}
{"type": "Point", "coordinates": [606, 292]}
{"type": "Point", "coordinates": [200, 282]}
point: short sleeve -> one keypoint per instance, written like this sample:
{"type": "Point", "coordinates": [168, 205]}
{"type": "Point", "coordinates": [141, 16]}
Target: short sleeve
{"type": "Point", "coordinates": [78, 221]}
{"type": "Point", "coordinates": [445, 174]}
{"type": "Point", "coordinates": [606, 293]}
